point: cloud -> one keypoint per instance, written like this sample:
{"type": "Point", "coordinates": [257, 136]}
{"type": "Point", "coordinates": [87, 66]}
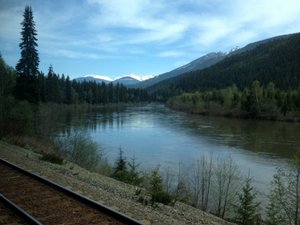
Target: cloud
{"type": "Point", "coordinates": [143, 21]}
{"type": "Point", "coordinates": [170, 53]}
{"type": "Point", "coordinates": [65, 53]}
{"type": "Point", "coordinates": [10, 25]}
{"type": "Point", "coordinates": [184, 30]}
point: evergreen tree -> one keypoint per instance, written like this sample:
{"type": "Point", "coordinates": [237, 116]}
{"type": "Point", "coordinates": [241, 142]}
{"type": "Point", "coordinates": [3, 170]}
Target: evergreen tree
{"type": "Point", "coordinates": [133, 174]}
{"type": "Point", "coordinates": [27, 67]}
{"type": "Point", "coordinates": [246, 210]}
{"type": "Point", "coordinates": [68, 91]}
{"type": "Point", "coordinates": [156, 182]}
{"type": "Point", "coordinates": [7, 79]}
{"type": "Point", "coordinates": [120, 169]}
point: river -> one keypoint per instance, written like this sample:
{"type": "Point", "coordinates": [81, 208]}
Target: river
{"type": "Point", "coordinates": [158, 136]}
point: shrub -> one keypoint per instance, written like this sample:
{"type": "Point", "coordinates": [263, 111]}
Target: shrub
{"type": "Point", "coordinates": [16, 117]}
{"type": "Point", "coordinates": [156, 182]}
{"type": "Point", "coordinates": [162, 197]}
{"type": "Point", "coordinates": [121, 172]}
{"type": "Point", "coordinates": [80, 149]}
{"type": "Point", "coordinates": [52, 158]}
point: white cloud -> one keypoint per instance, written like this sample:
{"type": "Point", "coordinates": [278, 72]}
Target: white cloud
{"type": "Point", "coordinates": [183, 30]}
{"type": "Point", "coordinates": [145, 21]}
{"type": "Point", "coordinates": [72, 54]}
{"type": "Point", "coordinates": [171, 53]}
{"type": "Point", "coordinates": [10, 20]}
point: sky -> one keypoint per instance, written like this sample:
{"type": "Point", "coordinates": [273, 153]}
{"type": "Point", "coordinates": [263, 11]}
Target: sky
{"type": "Point", "coordinates": [145, 37]}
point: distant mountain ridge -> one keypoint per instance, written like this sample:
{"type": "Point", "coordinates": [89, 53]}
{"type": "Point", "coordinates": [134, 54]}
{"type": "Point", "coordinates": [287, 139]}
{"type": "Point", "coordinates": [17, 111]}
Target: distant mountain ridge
{"type": "Point", "coordinates": [198, 64]}
{"type": "Point", "coordinates": [190, 71]}
{"type": "Point", "coordinates": [127, 80]}
{"type": "Point", "coordinates": [274, 60]}
{"type": "Point", "coordinates": [137, 81]}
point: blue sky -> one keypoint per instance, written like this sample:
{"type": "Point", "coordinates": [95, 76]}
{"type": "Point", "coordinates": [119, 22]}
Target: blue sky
{"type": "Point", "coordinates": [144, 37]}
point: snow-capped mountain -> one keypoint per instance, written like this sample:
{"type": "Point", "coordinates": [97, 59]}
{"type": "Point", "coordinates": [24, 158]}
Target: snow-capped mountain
{"type": "Point", "coordinates": [92, 78]}
{"type": "Point", "coordinates": [127, 80]}
{"type": "Point", "coordinates": [200, 63]}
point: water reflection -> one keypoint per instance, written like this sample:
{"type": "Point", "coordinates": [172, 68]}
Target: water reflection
{"type": "Point", "coordinates": [273, 138]}
{"type": "Point", "coordinates": [157, 135]}
{"type": "Point", "coordinates": [277, 139]}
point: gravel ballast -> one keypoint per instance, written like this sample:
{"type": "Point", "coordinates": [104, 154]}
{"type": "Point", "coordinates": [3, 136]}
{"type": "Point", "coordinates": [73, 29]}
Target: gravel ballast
{"type": "Point", "coordinates": [115, 194]}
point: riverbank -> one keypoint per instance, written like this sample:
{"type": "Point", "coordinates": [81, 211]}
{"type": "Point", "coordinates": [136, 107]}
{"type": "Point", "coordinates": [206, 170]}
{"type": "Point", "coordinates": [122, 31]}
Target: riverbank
{"type": "Point", "coordinates": [115, 194]}
{"type": "Point", "coordinates": [218, 111]}
{"type": "Point", "coordinates": [255, 102]}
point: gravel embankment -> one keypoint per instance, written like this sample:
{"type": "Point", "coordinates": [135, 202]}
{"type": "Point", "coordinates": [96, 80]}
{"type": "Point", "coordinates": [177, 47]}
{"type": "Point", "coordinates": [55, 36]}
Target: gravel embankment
{"type": "Point", "coordinates": [115, 194]}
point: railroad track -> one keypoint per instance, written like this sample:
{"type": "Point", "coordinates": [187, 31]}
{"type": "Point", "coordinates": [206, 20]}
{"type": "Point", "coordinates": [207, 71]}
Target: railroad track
{"type": "Point", "coordinates": [9, 216]}
{"type": "Point", "coordinates": [50, 203]}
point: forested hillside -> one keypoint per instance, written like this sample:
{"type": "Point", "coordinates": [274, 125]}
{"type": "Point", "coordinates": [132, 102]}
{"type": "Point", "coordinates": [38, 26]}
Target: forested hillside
{"type": "Point", "coordinates": [276, 60]}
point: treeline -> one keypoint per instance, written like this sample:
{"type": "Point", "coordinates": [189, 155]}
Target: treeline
{"type": "Point", "coordinates": [262, 102]}
{"type": "Point", "coordinates": [60, 89]}
{"type": "Point", "coordinates": [276, 60]}
{"type": "Point", "coordinates": [18, 110]}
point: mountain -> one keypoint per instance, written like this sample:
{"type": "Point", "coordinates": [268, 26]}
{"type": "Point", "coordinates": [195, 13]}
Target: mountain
{"type": "Point", "coordinates": [127, 80]}
{"type": "Point", "coordinates": [94, 78]}
{"type": "Point", "coordinates": [253, 45]}
{"type": "Point", "coordinates": [276, 59]}
{"type": "Point", "coordinates": [198, 64]}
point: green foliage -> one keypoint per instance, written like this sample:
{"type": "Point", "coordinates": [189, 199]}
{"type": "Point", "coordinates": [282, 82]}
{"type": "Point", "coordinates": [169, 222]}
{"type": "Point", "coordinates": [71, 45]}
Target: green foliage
{"type": "Point", "coordinates": [276, 60]}
{"type": "Point", "coordinates": [18, 107]}
{"type": "Point", "coordinates": [52, 158]}
{"type": "Point", "coordinates": [27, 67]}
{"type": "Point", "coordinates": [133, 173]}
{"type": "Point", "coordinates": [259, 102]}
{"type": "Point", "coordinates": [80, 149]}
{"type": "Point", "coordinates": [122, 173]}
{"type": "Point", "coordinates": [120, 170]}
{"type": "Point", "coordinates": [156, 182]}
{"type": "Point", "coordinates": [246, 210]}
{"type": "Point", "coordinates": [161, 197]}
{"type": "Point", "coordinates": [156, 189]}
{"type": "Point", "coordinates": [284, 199]}
{"type": "Point", "coordinates": [7, 79]}
{"type": "Point", "coordinates": [226, 175]}
{"type": "Point", "coordinates": [58, 89]}
{"type": "Point", "coordinates": [16, 117]}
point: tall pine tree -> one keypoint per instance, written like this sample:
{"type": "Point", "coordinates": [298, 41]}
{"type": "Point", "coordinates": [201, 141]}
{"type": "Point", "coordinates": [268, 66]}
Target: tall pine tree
{"type": "Point", "coordinates": [27, 67]}
{"type": "Point", "coordinates": [246, 210]}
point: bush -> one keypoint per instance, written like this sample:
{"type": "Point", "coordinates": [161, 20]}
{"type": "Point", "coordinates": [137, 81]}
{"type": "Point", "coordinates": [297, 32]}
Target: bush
{"type": "Point", "coordinates": [52, 158]}
{"type": "Point", "coordinates": [80, 149]}
{"type": "Point", "coordinates": [16, 117]}
{"type": "Point", "coordinates": [162, 197]}
{"type": "Point", "coordinates": [31, 142]}
{"type": "Point", "coordinates": [156, 182]}
{"type": "Point", "coordinates": [121, 172]}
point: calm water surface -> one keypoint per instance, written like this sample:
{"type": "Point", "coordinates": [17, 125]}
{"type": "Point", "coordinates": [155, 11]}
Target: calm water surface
{"type": "Point", "coordinates": [156, 135]}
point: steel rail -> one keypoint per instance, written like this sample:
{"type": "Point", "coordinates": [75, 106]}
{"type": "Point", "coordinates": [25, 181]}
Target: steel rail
{"type": "Point", "coordinates": [21, 212]}
{"type": "Point", "coordinates": [96, 205]}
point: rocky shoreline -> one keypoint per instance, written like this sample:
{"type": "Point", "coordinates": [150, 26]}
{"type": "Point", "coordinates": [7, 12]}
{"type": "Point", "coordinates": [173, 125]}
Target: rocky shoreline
{"type": "Point", "coordinates": [115, 194]}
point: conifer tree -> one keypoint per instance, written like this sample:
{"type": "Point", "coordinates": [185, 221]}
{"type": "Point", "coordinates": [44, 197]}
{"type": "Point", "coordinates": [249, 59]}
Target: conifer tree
{"type": "Point", "coordinates": [27, 67]}
{"type": "Point", "coordinates": [246, 209]}
{"type": "Point", "coordinates": [120, 170]}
